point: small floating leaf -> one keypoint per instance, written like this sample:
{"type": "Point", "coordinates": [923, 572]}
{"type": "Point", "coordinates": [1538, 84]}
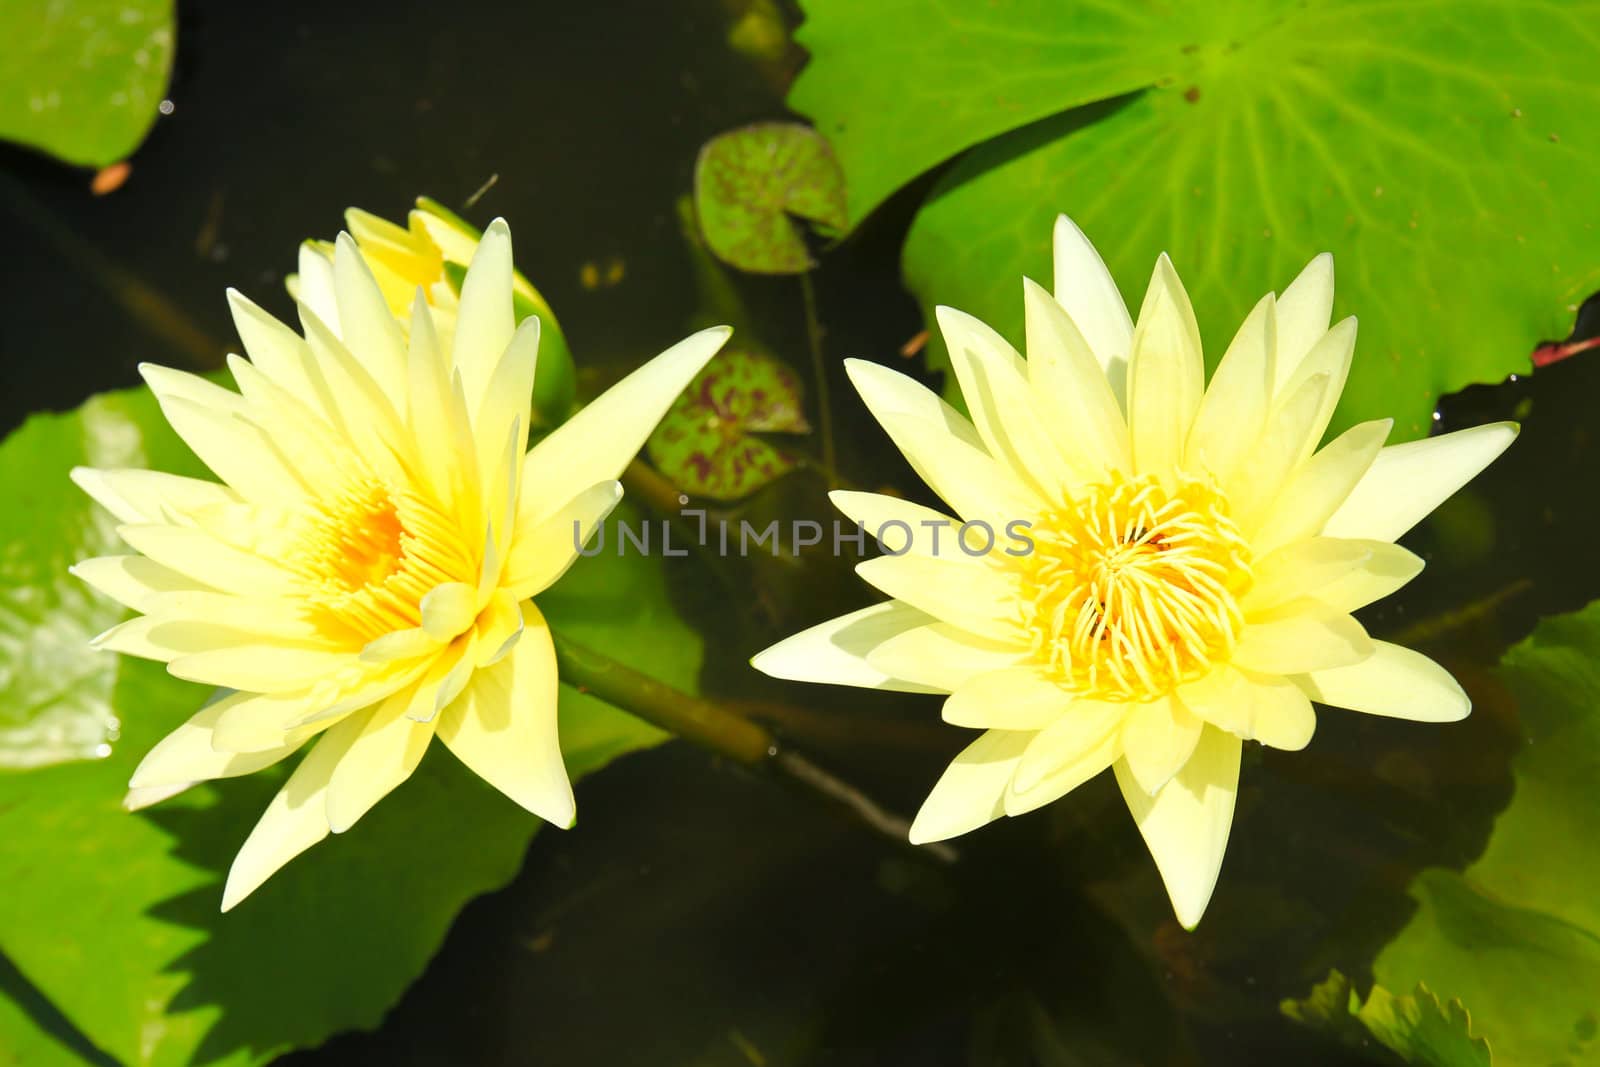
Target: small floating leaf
{"type": "Point", "coordinates": [83, 80]}
{"type": "Point", "coordinates": [705, 446]}
{"type": "Point", "coordinates": [749, 181]}
{"type": "Point", "coordinates": [1417, 1028]}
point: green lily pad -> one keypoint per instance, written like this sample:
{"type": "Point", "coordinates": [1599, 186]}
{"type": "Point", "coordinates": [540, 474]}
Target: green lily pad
{"type": "Point", "coordinates": [1516, 936]}
{"type": "Point", "coordinates": [1436, 150]}
{"type": "Point", "coordinates": [83, 80]}
{"type": "Point", "coordinates": [706, 445]}
{"type": "Point", "coordinates": [55, 696]}
{"type": "Point", "coordinates": [113, 917]}
{"type": "Point", "coordinates": [1417, 1028]}
{"type": "Point", "coordinates": [753, 183]}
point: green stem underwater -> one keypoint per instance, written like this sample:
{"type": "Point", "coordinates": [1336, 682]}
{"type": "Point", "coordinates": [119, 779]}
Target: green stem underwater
{"type": "Point", "coordinates": [714, 727]}
{"type": "Point", "coordinates": [820, 374]}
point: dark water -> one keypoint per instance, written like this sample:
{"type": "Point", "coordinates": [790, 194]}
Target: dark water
{"type": "Point", "coordinates": [705, 915]}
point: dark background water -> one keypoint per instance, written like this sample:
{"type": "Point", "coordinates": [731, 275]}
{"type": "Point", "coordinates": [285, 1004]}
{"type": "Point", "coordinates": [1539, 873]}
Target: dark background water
{"type": "Point", "coordinates": [704, 914]}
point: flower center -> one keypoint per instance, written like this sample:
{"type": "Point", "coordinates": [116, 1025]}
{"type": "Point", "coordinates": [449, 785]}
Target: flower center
{"type": "Point", "coordinates": [368, 557]}
{"type": "Point", "coordinates": [1132, 588]}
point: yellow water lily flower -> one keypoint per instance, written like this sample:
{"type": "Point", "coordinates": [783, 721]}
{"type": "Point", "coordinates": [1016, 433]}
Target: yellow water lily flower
{"type": "Point", "coordinates": [361, 574]}
{"type": "Point", "coordinates": [430, 253]}
{"type": "Point", "coordinates": [1187, 561]}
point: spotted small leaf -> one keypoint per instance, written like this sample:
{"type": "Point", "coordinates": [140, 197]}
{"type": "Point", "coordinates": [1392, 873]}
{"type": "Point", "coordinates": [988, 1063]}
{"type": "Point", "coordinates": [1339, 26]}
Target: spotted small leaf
{"type": "Point", "coordinates": [751, 185]}
{"type": "Point", "coordinates": [706, 444]}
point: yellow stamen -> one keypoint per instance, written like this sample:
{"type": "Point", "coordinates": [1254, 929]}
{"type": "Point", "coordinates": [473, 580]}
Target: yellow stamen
{"type": "Point", "coordinates": [369, 555]}
{"type": "Point", "coordinates": [1132, 589]}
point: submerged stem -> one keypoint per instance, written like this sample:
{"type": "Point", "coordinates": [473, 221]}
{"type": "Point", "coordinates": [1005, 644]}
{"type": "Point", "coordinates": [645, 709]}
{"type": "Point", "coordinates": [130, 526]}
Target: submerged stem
{"type": "Point", "coordinates": [715, 727]}
{"type": "Point", "coordinates": [820, 373]}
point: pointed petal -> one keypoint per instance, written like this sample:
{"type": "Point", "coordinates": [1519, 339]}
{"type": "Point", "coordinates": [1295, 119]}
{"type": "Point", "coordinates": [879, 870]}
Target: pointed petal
{"type": "Point", "coordinates": [994, 382]}
{"type": "Point", "coordinates": [1071, 391]}
{"type": "Point", "coordinates": [142, 496]}
{"type": "Point", "coordinates": [187, 755]}
{"type": "Point", "coordinates": [1233, 411]}
{"type": "Point", "coordinates": [1394, 682]}
{"type": "Point", "coordinates": [1077, 731]}
{"type": "Point", "coordinates": [968, 593]}
{"type": "Point", "coordinates": [1303, 314]}
{"type": "Point", "coordinates": [1387, 570]}
{"type": "Point", "coordinates": [1314, 493]}
{"type": "Point", "coordinates": [366, 325]}
{"type": "Point", "coordinates": [835, 652]}
{"type": "Point", "coordinates": [971, 791]}
{"type": "Point", "coordinates": [941, 658]}
{"type": "Point", "coordinates": [1302, 635]}
{"type": "Point", "coordinates": [1301, 569]}
{"type": "Point", "coordinates": [1166, 374]}
{"type": "Point", "coordinates": [1065, 777]}
{"type": "Point", "coordinates": [1408, 481]}
{"type": "Point", "coordinates": [1015, 698]}
{"type": "Point", "coordinates": [485, 319]}
{"type": "Point", "coordinates": [448, 609]}
{"type": "Point", "coordinates": [296, 819]}
{"type": "Point", "coordinates": [597, 443]}
{"type": "Point", "coordinates": [381, 757]}
{"type": "Point", "coordinates": [131, 581]}
{"type": "Point", "coordinates": [1330, 356]}
{"type": "Point", "coordinates": [541, 553]}
{"type": "Point", "coordinates": [1086, 291]}
{"type": "Point", "coordinates": [1157, 739]}
{"type": "Point", "coordinates": [977, 486]}
{"type": "Point", "coordinates": [315, 286]}
{"type": "Point", "coordinates": [1186, 825]}
{"type": "Point", "coordinates": [196, 554]}
{"type": "Point", "coordinates": [507, 402]}
{"type": "Point", "coordinates": [504, 726]}
{"type": "Point", "coordinates": [888, 392]}
{"type": "Point", "coordinates": [900, 525]}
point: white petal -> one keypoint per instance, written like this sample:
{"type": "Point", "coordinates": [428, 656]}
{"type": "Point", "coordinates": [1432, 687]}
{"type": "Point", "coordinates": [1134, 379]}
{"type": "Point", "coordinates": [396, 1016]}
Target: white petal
{"type": "Point", "coordinates": [1015, 698]}
{"type": "Point", "coordinates": [835, 652]}
{"type": "Point", "coordinates": [1394, 682]}
{"type": "Point", "coordinates": [1166, 374]}
{"type": "Point", "coordinates": [541, 553]}
{"type": "Point", "coordinates": [1157, 740]}
{"type": "Point", "coordinates": [448, 609]}
{"type": "Point", "coordinates": [994, 382]}
{"type": "Point", "coordinates": [485, 319]}
{"type": "Point", "coordinates": [381, 757]}
{"type": "Point", "coordinates": [1234, 409]}
{"type": "Point", "coordinates": [1085, 289]}
{"type": "Point", "coordinates": [1316, 490]}
{"type": "Point", "coordinates": [1065, 777]}
{"type": "Point", "coordinates": [1071, 391]}
{"type": "Point", "coordinates": [1388, 569]}
{"type": "Point", "coordinates": [968, 593]}
{"type": "Point", "coordinates": [900, 525]}
{"type": "Point", "coordinates": [296, 819]}
{"type": "Point", "coordinates": [1302, 635]}
{"type": "Point", "coordinates": [1078, 731]}
{"type": "Point", "coordinates": [366, 325]}
{"type": "Point", "coordinates": [315, 287]}
{"type": "Point", "coordinates": [143, 496]}
{"type": "Point", "coordinates": [971, 791]}
{"type": "Point", "coordinates": [504, 726]}
{"type": "Point", "coordinates": [1408, 481]}
{"type": "Point", "coordinates": [941, 658]}
{"type": "Point", "coordinates": [1304, 310]}
{"type": "Point", "coordinates": [596, 444]}
{"type": "Point", "coordinates": [1186, 825]}
{"type": "Point", "coordinates": [187, 755]}
{"type": "Point", "coordinates": [1302, 568]}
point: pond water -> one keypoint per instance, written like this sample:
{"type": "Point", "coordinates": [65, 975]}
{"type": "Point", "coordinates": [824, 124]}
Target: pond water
{"type": "Point", "coordinates": [703, 914]}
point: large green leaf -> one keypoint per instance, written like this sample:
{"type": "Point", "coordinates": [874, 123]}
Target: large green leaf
{"type": "Point", "coordinates": [82, 79]}
{"type": "Point", "coordinates": [1516, 937]}
{"type": "Point", "coordinates": [1440, 151]}
{"type": "Point", "coordinates": [114, 917]}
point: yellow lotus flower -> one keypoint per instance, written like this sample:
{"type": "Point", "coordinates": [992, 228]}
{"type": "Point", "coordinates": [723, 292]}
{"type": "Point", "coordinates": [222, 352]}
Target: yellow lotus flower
{"type": "Point", "coordinates": [362, 574]}
{"type": "Point", "coordinates": [431, 253]}
{"type": "Point", "coordinates": [1193, 564]}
